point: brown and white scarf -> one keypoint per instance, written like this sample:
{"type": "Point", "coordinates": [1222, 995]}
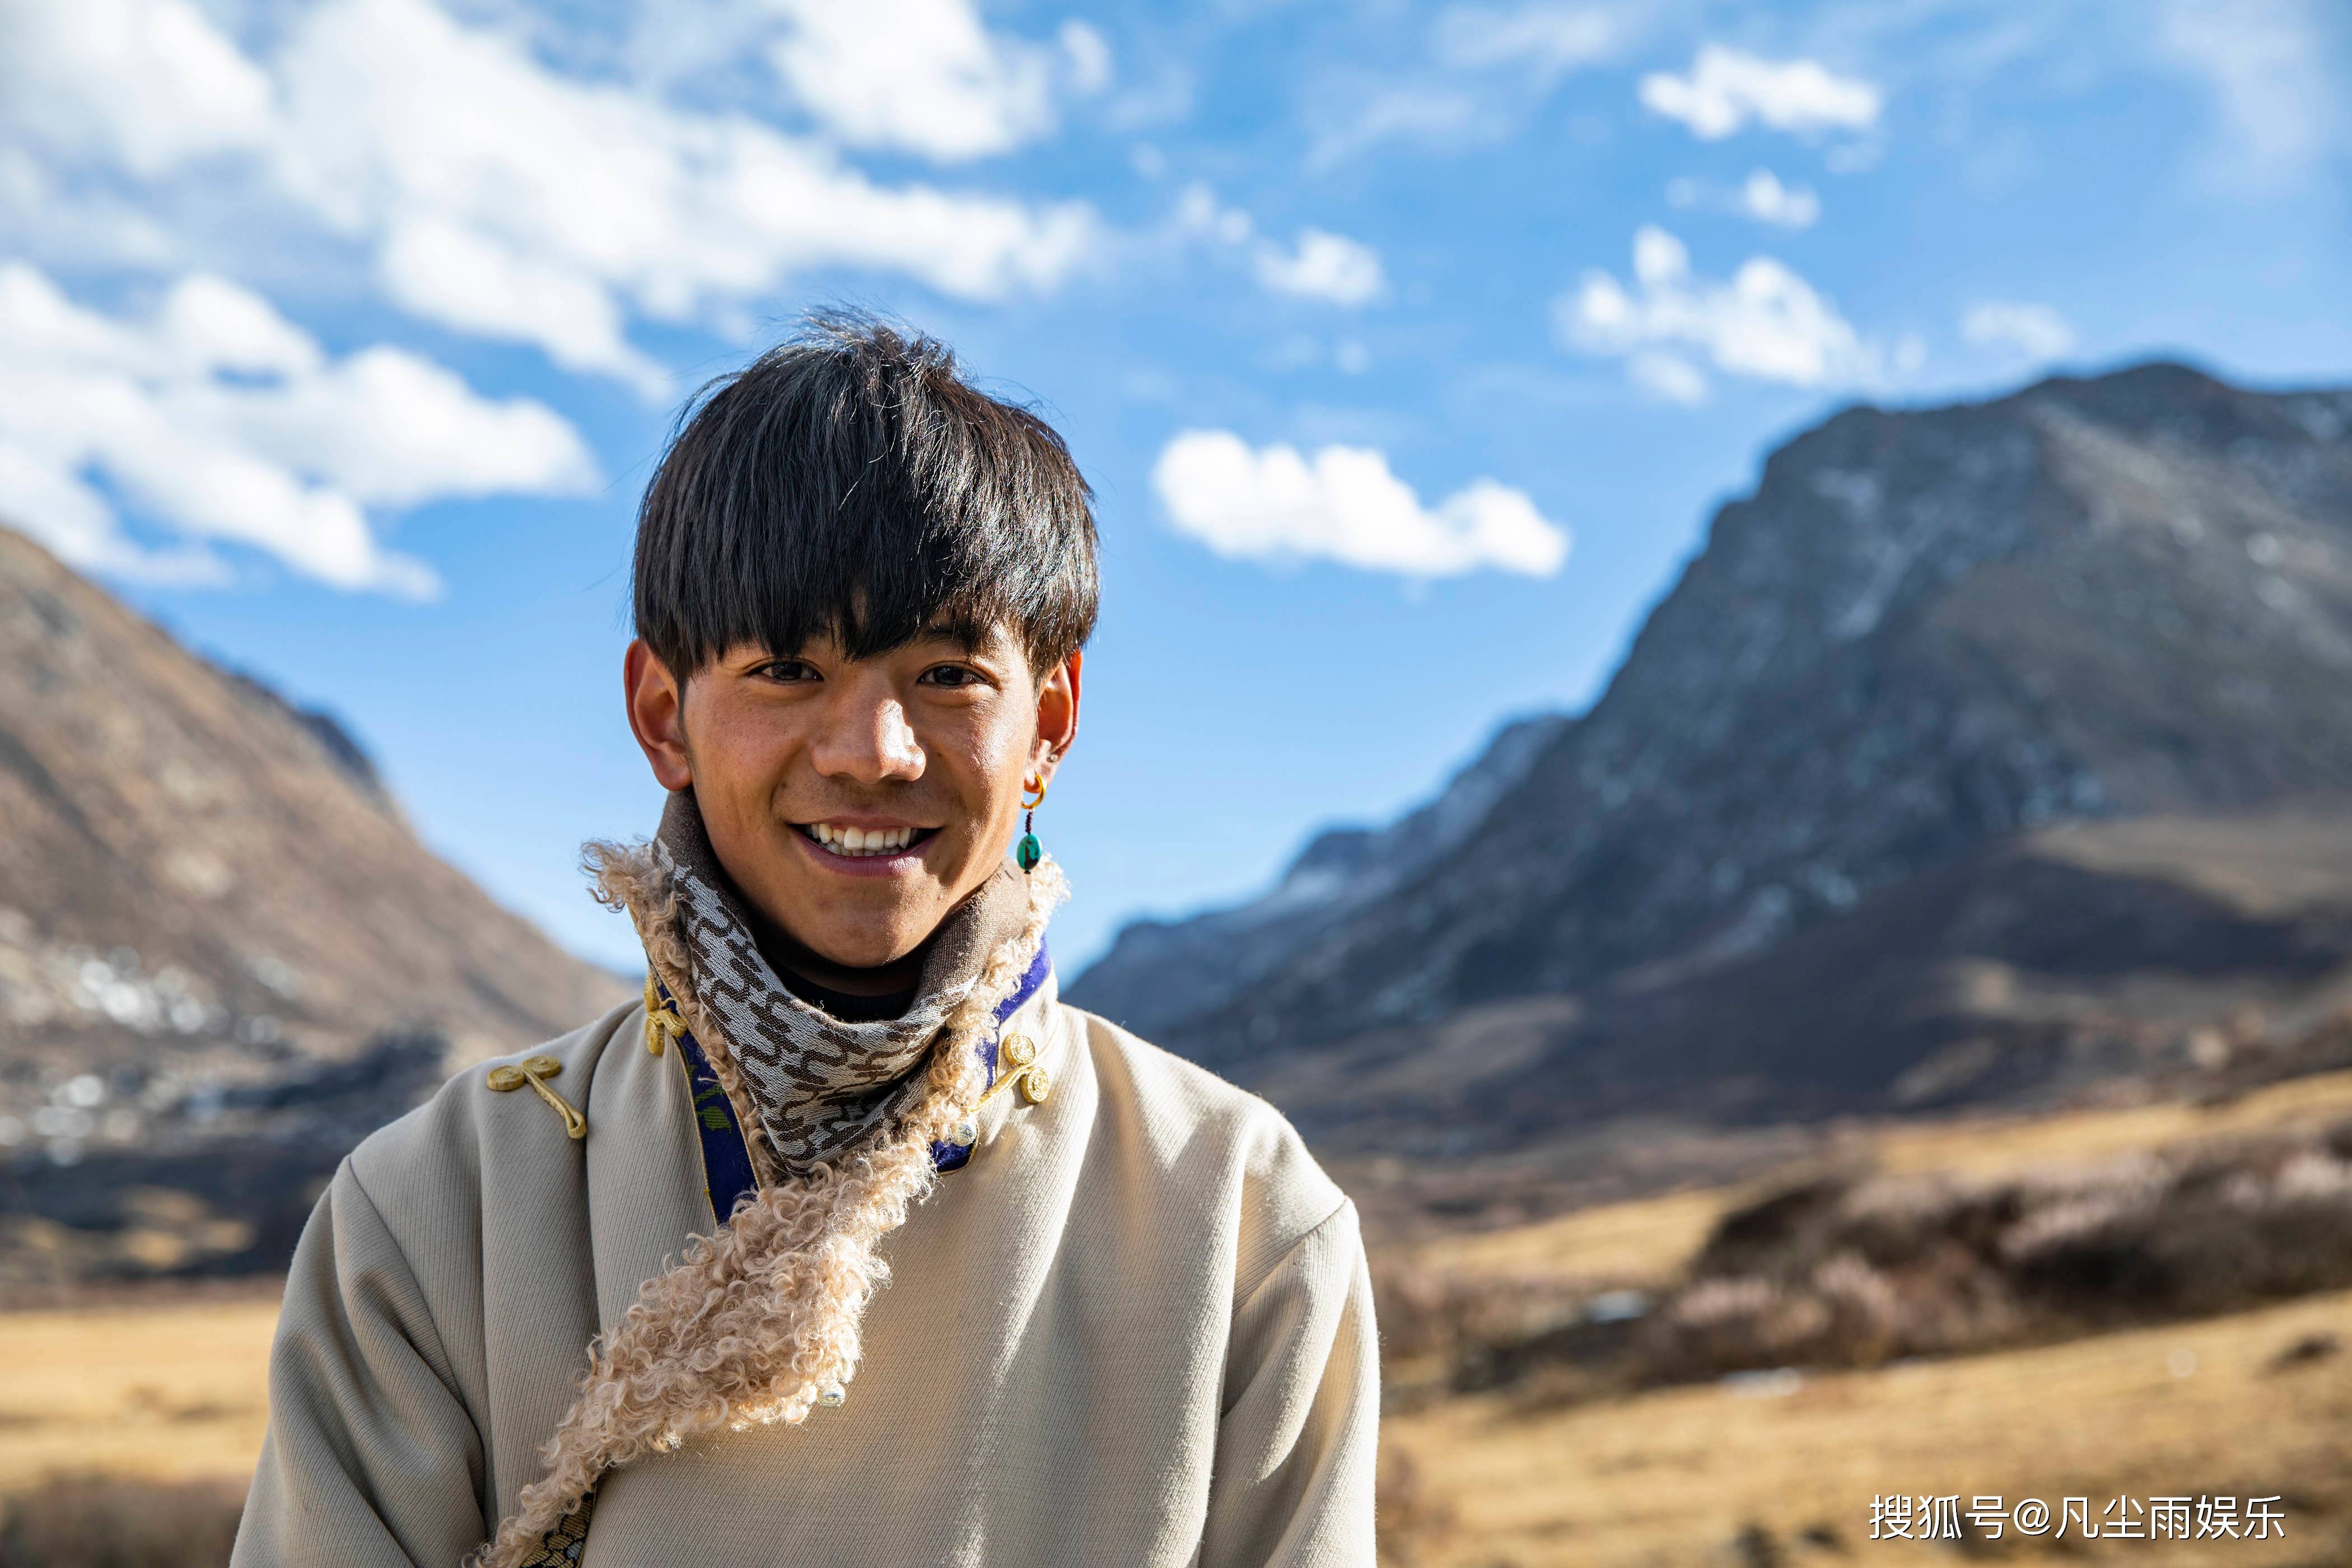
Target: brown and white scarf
{"type": "Point", "coordinates": [817, 1084]}
{"type": "Point", "coordinates": [759, 1322]}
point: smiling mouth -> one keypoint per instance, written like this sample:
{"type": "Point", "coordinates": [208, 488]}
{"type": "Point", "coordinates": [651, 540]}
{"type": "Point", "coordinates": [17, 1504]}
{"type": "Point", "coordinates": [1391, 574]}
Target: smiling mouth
{"type": "Point", "coordinates": [861, 843]}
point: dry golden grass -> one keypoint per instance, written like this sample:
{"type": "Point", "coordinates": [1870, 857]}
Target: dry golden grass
{"type": "Point", "coordinates": [1629, 1242]}
{"type": "Point", "coordinates": [1996, 1146]}
{"type": "Point", "coordinates": [175, 1391]}
{"type": "Point", "coordinates": [1674, 1476]}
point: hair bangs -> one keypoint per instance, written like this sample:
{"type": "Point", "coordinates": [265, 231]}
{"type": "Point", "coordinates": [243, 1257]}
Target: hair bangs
{"type": "Point", "coordinates": [849, 483]}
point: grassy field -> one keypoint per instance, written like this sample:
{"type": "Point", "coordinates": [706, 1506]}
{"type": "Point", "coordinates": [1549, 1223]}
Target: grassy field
{"type": "Point", "coordinates": [171, 1391]}
{"type": "Point", "coordinates": [1751, 1472]}
{"type": "Point", "coordinates": [1681, 1476]}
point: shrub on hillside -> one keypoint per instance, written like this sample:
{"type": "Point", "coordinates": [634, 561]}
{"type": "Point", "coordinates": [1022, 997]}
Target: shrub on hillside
{"type": "Point", "coordinates": [94, 1520]}
{"type": "Point", "coordinates": [1846, 1272]}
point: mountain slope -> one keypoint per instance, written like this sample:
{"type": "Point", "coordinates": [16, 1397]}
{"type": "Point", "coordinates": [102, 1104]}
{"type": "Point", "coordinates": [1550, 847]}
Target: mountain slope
{"type": "Point", "coordinates": [1158, 973]}
{"type": "Point", "coordinates": [1927, 634]}
{"type": "Point", "coordinates": [200, 884]}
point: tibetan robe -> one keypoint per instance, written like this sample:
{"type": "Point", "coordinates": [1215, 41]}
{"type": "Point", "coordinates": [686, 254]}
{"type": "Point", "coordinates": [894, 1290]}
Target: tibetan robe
{"type": "Point", "coordinates": [1132, 1327]}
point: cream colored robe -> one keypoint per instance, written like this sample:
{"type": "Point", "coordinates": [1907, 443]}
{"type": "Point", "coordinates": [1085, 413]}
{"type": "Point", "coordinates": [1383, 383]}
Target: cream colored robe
{"type": "Point", "coordinates": [1135, 1329]}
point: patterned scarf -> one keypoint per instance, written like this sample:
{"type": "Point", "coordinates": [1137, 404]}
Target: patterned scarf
{"type": "Point", "coordinates": [817, 1084]}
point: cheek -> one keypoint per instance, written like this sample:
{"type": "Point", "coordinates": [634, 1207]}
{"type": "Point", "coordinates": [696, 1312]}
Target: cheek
{"type": "Point", "coordinates": [990, 761]}
{"type": "Point", "coordinates": [737, 751]}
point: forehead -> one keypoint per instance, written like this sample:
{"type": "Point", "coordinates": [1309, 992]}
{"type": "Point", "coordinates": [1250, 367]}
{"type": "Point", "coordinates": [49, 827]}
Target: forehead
{"type": "Point", "coordinates": [992, 638]}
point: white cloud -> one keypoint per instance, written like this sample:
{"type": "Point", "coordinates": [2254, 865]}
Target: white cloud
{"type": "Point", "coordinates": [217, 419]}
{"type": "Point", "coordinates": [924, 76]}
{"type": "Point", "coordinates": [2278, 82]}
{"type": "Point", "coordinates": [2036, 331]}
{"type": "Point", "coordinates": [1200, 214]}
{"type": "Point", "coordinates": [1727, 89]}
{"type": "Point", "coordinates": [1089, 58]}
{"type": "Point", "coordinates": [1321, 266]}
{"type": "Point", "coordinates": [1547, 39]}
{"type": "Point", "coordinates": [1484, 73]}
{"type": "Point", "coordinates": [1765, 323]}
{"type": "Point", "coordinates": [148, 83]}
{"type": "Point", "coordinates": [1761, 196]}
{"type": "Point", "coordinates": [1343, 504]}
{"type": "Point", "coordinates": [1327, 267]}
{"type": "Point", "coordinates": [1408, 111]}
{"type": "Point", "coordinates": [498, 196]}
{"type": "Point", "coordinates": [1667, 376]}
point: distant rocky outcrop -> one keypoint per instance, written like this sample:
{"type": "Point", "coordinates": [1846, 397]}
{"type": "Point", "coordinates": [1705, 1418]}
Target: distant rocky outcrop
{"type": "Point", "coordinates": [210, 908]}
{"type": "Point", "coordinates": [1848, 829]}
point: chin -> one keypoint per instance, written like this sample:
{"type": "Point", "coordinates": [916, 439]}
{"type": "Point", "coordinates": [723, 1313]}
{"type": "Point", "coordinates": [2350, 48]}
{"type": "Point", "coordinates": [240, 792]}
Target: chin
{"type": "Point", "coordinates": [869, 939]}
{"type": "Point", "coordinates": [869, 953]}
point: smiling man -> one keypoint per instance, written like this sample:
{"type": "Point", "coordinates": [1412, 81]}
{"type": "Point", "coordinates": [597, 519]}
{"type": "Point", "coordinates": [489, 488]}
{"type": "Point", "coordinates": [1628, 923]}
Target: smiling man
{"type": "Point", "coordinates": [622, 1301]}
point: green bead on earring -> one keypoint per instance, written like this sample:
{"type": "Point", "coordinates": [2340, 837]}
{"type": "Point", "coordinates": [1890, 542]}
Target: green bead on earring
{"type": "Point", "coordinates": [1028, 852]}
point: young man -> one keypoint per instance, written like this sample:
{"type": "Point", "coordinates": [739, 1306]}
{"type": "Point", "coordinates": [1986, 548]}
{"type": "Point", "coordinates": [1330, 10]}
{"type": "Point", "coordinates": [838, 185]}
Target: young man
{"type": "Point", "coordinates": [622, 1301]}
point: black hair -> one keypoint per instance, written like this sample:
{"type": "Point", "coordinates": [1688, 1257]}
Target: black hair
{"type": "Point", "coordinates": [850, 482]}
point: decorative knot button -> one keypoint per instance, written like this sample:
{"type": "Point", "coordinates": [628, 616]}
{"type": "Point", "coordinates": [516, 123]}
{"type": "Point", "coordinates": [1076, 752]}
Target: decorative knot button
{"type": "Point", "coordinates": [507, 1076]}
{"type": "Point", "coordinates": [662, 1023]}
{"type": "Point", "coordinates": [1017, 1056]}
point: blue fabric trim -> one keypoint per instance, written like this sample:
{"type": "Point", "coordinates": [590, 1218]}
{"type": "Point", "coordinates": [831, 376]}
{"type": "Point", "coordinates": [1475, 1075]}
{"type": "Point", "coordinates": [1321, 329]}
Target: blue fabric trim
{"type": "Point", "coordinates": [727, 1158]}
{"type": "Point", "coordinates": [956, 1156]}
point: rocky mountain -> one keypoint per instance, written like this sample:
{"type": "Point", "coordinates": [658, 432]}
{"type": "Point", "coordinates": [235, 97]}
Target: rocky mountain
{"type": "Point", "coordinates": [1158, 973]}
{"type": "Point", "coordinates": [1938, 774]}
{"type": "Point", "coordinates": [210, 908]}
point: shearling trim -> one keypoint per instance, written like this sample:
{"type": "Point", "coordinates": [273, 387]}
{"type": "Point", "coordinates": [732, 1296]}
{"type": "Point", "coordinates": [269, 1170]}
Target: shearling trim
{"type": "Point", "coordinates": [757, 1320]}
{"type": "Point", "coordinates": [632, 877]}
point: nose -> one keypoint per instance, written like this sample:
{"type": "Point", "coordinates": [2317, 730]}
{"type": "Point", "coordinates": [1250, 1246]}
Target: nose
{"type": "Point", "coordinates": [865, 738]}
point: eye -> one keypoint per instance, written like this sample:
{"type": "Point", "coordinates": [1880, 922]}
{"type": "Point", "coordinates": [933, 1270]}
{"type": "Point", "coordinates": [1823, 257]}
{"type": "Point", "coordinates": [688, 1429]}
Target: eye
{"type": "Point", "coordinates": [953, 677]}
{"type": "Point", "coordinates": [788, 670]}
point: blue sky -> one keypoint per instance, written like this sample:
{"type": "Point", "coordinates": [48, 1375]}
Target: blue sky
{"type": "Point", "coordinates": [1407, 347]}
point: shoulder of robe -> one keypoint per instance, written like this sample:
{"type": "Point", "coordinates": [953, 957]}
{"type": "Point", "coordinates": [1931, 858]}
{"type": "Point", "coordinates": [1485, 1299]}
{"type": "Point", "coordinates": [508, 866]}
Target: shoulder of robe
{"type": "Point", "coordinates": [436, 1153]}
{"type": "Point", "coordinates": [1208, 1135]}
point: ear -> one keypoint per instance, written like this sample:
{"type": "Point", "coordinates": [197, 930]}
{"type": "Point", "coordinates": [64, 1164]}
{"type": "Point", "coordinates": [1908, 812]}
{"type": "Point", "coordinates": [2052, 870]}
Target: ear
{"type": "Point", "coordinates": [656, 705]}
{"type": "Point", "coordinates": [1057, 716]}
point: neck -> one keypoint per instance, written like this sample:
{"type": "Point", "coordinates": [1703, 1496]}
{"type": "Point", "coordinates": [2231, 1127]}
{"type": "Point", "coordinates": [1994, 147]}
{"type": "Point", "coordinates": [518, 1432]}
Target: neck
{"type": "Point", "coordinates": [786, 952]}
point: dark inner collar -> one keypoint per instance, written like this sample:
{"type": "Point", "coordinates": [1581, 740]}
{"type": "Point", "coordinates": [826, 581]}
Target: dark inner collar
{"type": "Point", "coordinates": [843, 1005]}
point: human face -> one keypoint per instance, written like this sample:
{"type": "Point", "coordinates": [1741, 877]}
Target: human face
{"type": "Point", "coordinates": [856, 802]}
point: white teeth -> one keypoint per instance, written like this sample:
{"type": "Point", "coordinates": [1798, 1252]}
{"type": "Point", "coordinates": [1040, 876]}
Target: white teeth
{"type": "Point", "coordinates": [860, 841]}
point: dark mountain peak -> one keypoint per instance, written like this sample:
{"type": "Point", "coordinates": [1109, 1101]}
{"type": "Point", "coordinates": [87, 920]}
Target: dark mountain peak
{"type": "Point", "coordinates": [1925, 632]}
